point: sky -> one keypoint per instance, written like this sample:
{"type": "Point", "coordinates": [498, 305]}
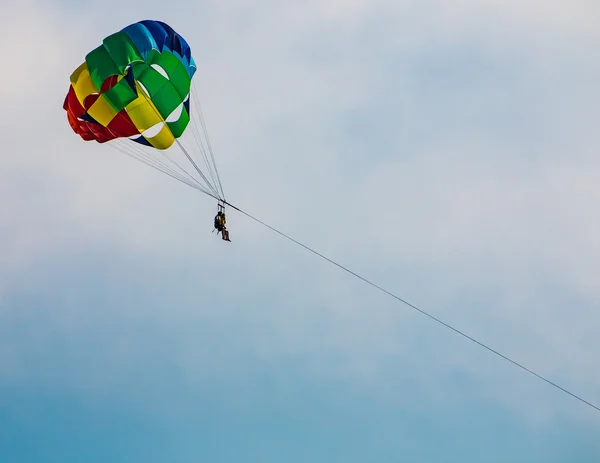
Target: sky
{"type": "Point", "coordinates": [445, 150]}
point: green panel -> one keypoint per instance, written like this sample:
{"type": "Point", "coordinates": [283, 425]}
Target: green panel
{"type": "Point", "coordinates": [122, 50]}
{"type": "Point", "coordinates": [150, 78]}
{"type": "Point", "coordinates": [181, 80]}
{"type": "Point", "coordinates": [111, 58]}
{"type": "Point", "coordinates": [151, 56]}
{"type": "Point", "coordinates": [166, 100]}
{"type": "Point", "coordinates": [179, 126]}
{"type": "Point", "coordinates": [120, 95]}
{"type": "Point", "coordinates": [175, 70]}
{"type": "Point", "coordinates": [138, 69]}
{"type": "Point", "coordinates": [165, 60]}
{"type": "Point", "coordinates": [100, 65]}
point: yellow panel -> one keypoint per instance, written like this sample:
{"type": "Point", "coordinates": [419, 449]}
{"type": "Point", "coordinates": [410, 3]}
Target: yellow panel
{"type": "Point", "coordinates": [142, 111]}
{"type": "Point", "coordinates": [102, 111]}
{"type": "Point", "coordinates": [82, 83]}
{"type": "Point", "coordinates": [163, 140]}
{"type": "Point", "coordinates": [77, 72]}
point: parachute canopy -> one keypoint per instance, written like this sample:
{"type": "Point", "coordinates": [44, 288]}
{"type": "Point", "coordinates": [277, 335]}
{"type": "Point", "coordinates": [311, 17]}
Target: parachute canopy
{"type": "Point", "coordinates": [136, 86]}
{"type": "Point", "coordinates": [136, 83]}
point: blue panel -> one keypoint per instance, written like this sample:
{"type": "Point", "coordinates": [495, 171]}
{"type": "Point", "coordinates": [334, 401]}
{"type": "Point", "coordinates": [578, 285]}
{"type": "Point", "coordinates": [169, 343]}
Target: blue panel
{"type": "Point", "coordinates": [192, 67]}
{"type": "Point", "coordinates": [141, 140]}
{"type": "Point", "coordinates": [141, 38]}
{"type": "Point", "coordinates": [149, 34]}
{"type": "Point", "coordinates": [86, 117]}
{"type": "Point", "coordinates": [158, 33]}
{"type": "Point", "coordinates": [130, 78]}
{"type": "Point", "coordinates": [175, 42]}
{"type": "Point", "coordinates": [186, 105]}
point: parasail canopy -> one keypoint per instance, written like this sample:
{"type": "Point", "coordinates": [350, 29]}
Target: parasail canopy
{"type": "Point", "coordinates": [136, 88]}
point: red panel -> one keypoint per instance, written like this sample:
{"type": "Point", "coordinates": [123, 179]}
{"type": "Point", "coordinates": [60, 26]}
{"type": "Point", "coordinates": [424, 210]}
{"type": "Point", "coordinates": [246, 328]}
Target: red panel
{"type": "Point", "coordinates": [72, 103]}
{"type": "Point", "coordinates": [89, 100]}
{"type": "Point", "coordinates": [109, 83]}
{"type": "Point", "coordinates": [122, 125]}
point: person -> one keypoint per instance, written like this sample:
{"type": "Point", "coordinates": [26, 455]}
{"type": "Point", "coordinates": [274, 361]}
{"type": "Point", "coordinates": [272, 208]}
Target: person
{"type": "Point", "coordinates": [220, 222]}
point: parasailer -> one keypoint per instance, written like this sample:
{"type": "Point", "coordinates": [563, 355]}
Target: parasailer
{"type": "Point", "coordinates": [220, 221]}
{"type": "Point", "coordinates": [135, 91]}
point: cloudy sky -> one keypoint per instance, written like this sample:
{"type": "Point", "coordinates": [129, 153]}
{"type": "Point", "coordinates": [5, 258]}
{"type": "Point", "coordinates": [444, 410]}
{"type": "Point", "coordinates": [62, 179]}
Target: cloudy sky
{"type": "Point", "coordinates": [445, 149]}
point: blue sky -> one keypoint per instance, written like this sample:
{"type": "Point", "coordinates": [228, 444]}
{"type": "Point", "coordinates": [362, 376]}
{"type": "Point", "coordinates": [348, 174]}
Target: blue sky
{"type": "Point", "coordinates": [445, 150]}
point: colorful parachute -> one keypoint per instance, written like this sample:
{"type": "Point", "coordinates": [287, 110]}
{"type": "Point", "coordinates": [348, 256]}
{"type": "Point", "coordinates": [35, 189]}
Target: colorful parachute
{"type": "Point", "coordinates": [136, 83]}
{"type": "Point", "coordinates": [136, 86]}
